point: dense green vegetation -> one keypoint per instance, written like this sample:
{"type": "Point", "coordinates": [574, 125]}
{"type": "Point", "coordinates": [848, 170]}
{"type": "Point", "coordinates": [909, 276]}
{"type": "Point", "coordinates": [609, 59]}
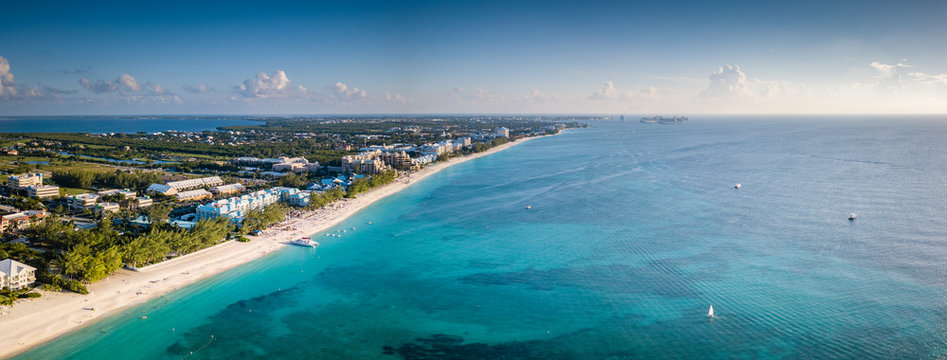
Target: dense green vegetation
{"type": "Point", "coordinates": [259, 219]}
{"type": "Point", "coordinates": [367, 183]}
{"type": "Point", "coordinates": [78, 178]}
{"type": "Point", "coordinates": [320, 199]}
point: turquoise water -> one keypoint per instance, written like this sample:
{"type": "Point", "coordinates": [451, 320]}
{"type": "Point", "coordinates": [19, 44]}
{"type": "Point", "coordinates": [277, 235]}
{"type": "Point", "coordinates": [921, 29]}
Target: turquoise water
{"type": "Point", "coordinates": [635, 229]}
{"type": "Point", "coordinates": [117, 124]}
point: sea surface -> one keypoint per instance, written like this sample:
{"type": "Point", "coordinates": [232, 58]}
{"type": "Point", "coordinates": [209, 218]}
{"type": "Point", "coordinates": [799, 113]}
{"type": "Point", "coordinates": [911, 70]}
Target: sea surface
{"type": "Point", "coordinates": [634, 231]}
{"type": "Point", "coordinates": [117, 124]}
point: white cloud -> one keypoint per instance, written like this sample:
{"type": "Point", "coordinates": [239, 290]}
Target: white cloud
{"type": "Point", "coordinates": [929, 78]}
{"type": "Point", "coordinates": [887, 71]}
{"type": "Point", "coordinates": [731, 82]}
{"type": "Point", "coordinates": [129, 82]}
{"type": "Point", "coordinates": [269, 86]}
{"type": "Point", "coordinates": [482, 95]}
{"type": "Point", "coordinates": [7, 85]}
{"type": "Point", "coordinates": [199, 89]}
{"type": "Point", "coordinates": [727, 81]}
{"type": "Point", "coordinates": [610, 92]}
{"type": "Point", "coordinates": [538, 96]}
{"type": "Point", "coordinates": [341, 93]}
{"type": "Point", "coordinates": [397, 98]}
{"type": "Point", "coordinates": [98, 87]}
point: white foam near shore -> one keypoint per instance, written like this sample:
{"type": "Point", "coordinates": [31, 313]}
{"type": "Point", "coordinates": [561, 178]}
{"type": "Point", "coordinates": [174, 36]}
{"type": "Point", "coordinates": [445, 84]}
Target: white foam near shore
{"type": "Point", "coordinates": [33, 322]}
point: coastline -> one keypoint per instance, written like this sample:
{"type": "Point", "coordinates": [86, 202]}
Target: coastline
{"type": "Point", "coordinates": [37, 321]}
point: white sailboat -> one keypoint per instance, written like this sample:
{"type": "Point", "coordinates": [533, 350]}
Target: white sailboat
{"type": "Point", "coordinates": [710, 313]}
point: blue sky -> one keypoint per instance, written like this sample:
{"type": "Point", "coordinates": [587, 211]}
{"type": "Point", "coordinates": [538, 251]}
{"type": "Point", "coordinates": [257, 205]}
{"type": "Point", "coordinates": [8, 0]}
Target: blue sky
{"type": "Point", "coordinates": [474, 57]}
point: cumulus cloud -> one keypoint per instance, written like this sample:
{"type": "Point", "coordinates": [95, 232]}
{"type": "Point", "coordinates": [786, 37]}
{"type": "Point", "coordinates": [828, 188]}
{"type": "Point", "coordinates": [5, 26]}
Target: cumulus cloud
{"type": "Point", "coordinates": [538, 96]}
{"type": "Point", "coordinates": [198, 89]}
{"type": "Point", "coordinates": [339, 92]}
{"type": "Point", "coordinates": [483, 95]}
{"type": "Point", "coordinates": [726, 81]}
{"type": "Point", "coordinates": [269, 86]}
{"type": "Point", "coordinates": [887, 71]}
{"type": "Point", "coordinates": [98, 87]}
{"type": "Point", "coordinates": [129, 82]}
{"type": "Point", "coordinates": [731, 82]}
{"type": "Point", "coordinates": [7, 85]}
{"type": "Point", "coordinates": [610, 92]}
{"type": "Point", "coordinates": [397, 98]}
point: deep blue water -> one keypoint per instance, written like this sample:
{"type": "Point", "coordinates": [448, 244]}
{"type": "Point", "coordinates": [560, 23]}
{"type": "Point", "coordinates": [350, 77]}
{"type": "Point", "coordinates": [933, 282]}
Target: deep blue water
{"type": "Point", "coordinates": [635, 229]}
{"type": "Point", "coordinates": [117, 124]}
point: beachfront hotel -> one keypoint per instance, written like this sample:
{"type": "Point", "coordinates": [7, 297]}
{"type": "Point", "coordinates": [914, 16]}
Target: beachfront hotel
{"type": "Point", "coordinates": [236, 208]}
{"type": "Point", "coordinates": [16, 275]}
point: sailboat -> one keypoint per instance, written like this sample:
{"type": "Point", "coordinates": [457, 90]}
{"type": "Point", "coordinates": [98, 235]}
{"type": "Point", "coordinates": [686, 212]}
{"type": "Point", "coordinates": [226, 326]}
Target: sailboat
{"type": "Point", "coordinates": [710, 313]}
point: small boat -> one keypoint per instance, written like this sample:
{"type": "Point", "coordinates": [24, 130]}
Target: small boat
{"type": "Point", "coordinates": [852, 216]}
{"type": "Point", "coordinates": [710, 313]}
{"type": "Point", "coordinates": [528, 207]}
{"type": "Point", "coordinates": [737, 186]}
{"type": "Point", "coordinates": [305, 242]}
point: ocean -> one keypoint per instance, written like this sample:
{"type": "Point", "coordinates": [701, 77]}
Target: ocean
{"type": "Point", "coordinates": [634, 231]}
{"type": "Point", "coordinates": [117, 124]}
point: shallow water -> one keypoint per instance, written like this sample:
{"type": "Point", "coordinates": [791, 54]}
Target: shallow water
{"type": "Point", "coordinates": [635, 229]}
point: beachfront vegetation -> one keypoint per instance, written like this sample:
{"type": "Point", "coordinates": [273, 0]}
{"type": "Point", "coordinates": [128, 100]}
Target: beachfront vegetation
{"type": "Point", "coordinates": [319, 199]}
{"type": "Point", "coordinates": [259, 219]}
{"type": "Point", "coordinates": [367, 183]}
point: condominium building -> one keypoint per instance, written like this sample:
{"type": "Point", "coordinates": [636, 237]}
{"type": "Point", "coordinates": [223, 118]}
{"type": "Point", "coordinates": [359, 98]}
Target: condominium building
{"type": "Point", "coordinates": [366, 162]}
{"type": "Point", "coordinates": [43, 191]}
{"type": "Point", "coordinates": [127, 194]}
{"type": "Point", "coordinates": [144, 201]}
{"type": "Point", "coordinates": [196, 183]}
{"type": "Point", "coordinates": [236, 207]}
{"type": "Point", "coordinates": [502, 132]}
{"type": "Point", "coordinates": [25, 180]}
{"type": "Point", "coordinates": [16, 275]}
{"type": "Point", "coordinates": [396, 159]}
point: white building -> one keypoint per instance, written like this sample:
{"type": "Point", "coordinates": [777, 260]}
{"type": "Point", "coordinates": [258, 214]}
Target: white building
{"type": "Point", "coordinates": [228, 189]}
{"type": "Point", "coordinates": [192, 195]}
{"type": "Point", "coordinates": [16, 275]}
{"type": "Point", "coordinates": [26, 180]}
{"type": "Point", "coordinates": [81, 201]}
{"type": "Point", "coordinates": [43, 191]}
{"type": "Point", "coordinates": [502, 132]}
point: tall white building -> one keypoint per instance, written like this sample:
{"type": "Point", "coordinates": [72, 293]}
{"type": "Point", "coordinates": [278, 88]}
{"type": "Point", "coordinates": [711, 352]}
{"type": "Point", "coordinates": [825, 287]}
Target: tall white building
{"type": "Point", "coordinates": [16, 275]}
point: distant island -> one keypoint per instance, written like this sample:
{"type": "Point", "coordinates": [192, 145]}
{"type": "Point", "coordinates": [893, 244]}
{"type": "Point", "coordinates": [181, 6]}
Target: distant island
{"type": "Point", "coordinates": [664, 120]}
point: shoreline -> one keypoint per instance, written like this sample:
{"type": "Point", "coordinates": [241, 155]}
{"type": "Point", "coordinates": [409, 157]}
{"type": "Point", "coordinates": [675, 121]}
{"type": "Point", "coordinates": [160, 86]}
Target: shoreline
{"type": "Point", "coordinates": [34, 322]}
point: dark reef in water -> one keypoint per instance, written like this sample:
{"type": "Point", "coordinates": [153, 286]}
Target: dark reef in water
{"type": "Point", "coordinates": [441, 346]}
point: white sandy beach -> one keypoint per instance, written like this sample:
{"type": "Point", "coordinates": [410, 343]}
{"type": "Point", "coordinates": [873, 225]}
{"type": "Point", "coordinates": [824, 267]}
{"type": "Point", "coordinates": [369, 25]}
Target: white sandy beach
{"type": "Point", "coordinates": [33, 322]}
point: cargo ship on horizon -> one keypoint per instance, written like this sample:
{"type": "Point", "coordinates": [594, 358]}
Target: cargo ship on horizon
{"type": "Point", "coordinates": [664, 120]}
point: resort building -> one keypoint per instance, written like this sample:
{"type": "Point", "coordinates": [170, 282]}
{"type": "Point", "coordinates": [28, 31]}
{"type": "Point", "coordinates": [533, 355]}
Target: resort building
{"type": "Point", "coordinates": [16, 275]}
{"type": "Point", "coordinates": [396, 159]}
{"type": "Point", "coordinates": [43, 191]}
{"type": "Point", "coordinates": [25, 180]}
{"type": "Point", "coordinates": [161, 189]}
{"type": "Point", "coordinates": [502, 132]}
{"type": "Point", "coordinates": [196, 183]}
{"type": "Point", "coordinates": [20, 220]}
{"type": "Point", "coordinates": [82, 201]}
{"type": "Point", "coordinates": [366, 162]}
{"type": "Point", "coordinates": [227, 189]}
{"type": "Point", "coordinates": [174, 187]}
{"type": "Point", "coordinates": [236, 207]}
{"type": "Point", "coordinates": [192, 195]}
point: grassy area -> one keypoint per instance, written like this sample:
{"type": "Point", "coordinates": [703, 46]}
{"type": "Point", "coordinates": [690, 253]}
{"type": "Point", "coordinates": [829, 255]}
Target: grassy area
{"type": "Point", "coordinates": [74, 191]}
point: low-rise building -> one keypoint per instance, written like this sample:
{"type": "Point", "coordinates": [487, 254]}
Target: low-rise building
{"type": "Point", "coordinates": [16, 275]}
{"type": "Point", "coordinates": [25, 180]}
{"type": "Point", "coordinates": [192, 195]}
{"type": "Point", "coordinates": [236, 208]}
{"type": "Point", "coordinates": [144, 201]}
{"type": "Point", "coordinates": [196, 183]}
{"type": "Point", "coordinates": [502, 132]}
{"type": "Point", "coordinates": [127, 194]}
{"type": "Point", "coordinates": [161, 189]}
{"type": "Point", "coordinates": [20, 220]}
{"type": "Point", "coordinates": [228, 189]}
{"type": "Point", "coordinates": [82, 201]}
{"type": "Point", "coordinates": [107, 207]}
{"type": "Point", "coordinates": [43, 191]}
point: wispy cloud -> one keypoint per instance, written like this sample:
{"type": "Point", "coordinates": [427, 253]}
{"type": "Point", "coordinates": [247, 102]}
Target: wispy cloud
{"type": "Point", "coordinates": [610, 92]}
{"type": "Point", "coordinates": [341, 93]}
{"type": "Point", "coordinates": [196, 89]}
